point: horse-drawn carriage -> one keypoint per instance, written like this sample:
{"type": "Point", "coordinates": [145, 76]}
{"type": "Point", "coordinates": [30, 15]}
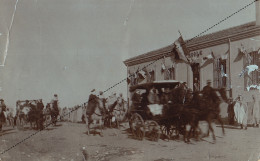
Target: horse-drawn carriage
{"type": "Point", "coordinates": [22, 112]}
{"type": "Point", "coordinates": [173, 111]}
{"type": "Point", "coordinates": [29, 111]}
{"type": "Point", "coordinates": [153, 118]}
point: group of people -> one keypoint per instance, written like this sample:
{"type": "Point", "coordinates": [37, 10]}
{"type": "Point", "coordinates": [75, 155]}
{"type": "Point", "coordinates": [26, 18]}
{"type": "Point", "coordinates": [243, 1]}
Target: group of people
{"type": "Point", "coordinates": [30, 111]}
{"type": "Point", "coordinates": [180, 94]}
{"type": "Point", "coordinates": [238, 111]}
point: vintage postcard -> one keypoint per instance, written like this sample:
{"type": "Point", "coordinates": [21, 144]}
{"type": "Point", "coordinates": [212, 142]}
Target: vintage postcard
{"type": "Point", "coordinates": [140, 80]}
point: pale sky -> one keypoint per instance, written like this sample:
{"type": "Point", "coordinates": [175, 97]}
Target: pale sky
{"type": "Point", "coordinates": [69, 47]}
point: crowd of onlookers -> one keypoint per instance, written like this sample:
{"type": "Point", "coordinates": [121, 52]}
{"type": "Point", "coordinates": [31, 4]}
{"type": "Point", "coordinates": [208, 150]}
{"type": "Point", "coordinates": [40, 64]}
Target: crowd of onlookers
{"type": "Point", "coordinates": [239, 112]}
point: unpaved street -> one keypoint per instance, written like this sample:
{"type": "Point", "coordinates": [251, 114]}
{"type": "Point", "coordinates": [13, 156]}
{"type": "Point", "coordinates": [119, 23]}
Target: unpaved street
{"type": "Point", "coordinates": [64, 142]}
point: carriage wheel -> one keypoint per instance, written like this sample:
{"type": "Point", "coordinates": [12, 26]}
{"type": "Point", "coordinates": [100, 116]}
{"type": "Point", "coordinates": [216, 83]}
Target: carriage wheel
{"type": "Point", "coordinates": [154, 130]}
{"type": "Point", "coordinates": [137, 126]}
{"type": "Point", "coordinates": [167, 130]}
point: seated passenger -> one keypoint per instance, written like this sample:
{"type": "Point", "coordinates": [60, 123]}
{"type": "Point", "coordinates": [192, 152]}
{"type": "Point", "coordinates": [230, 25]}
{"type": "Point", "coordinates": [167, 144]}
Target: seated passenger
{"type": "Point", "coordinates": [153, 97]}
{"type": "Point", "coordinates": [165, 98]}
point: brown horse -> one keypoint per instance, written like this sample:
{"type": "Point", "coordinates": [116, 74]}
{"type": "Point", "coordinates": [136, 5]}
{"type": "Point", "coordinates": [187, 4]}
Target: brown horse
{"type": "Point", "coordinates": [95, 115]}
{"type": "Point", "coordinates": [204, 110]}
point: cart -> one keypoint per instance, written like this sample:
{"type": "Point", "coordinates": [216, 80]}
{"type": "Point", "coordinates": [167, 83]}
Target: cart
{"type": "Point", "coordinates": [152, 120]}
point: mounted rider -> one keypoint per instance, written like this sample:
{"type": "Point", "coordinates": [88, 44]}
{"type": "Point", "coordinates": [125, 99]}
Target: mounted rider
{"type": "Point", "coordinates": [92, 102]}
{"type": "Point", "coordinates": [102, 99]}
{"type": "Point", "coordinates": [120, 101]}
{"type": "Point", "coordinates": [209, 94]}
{"type": "Point", "coordinates": [55, 106]}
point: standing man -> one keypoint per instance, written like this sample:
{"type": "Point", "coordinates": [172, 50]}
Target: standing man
{"type": "Point", "coordinates": [2, 116]}
{"type": "Point", "coordinates": [230, 111]}
{"type": "Point", "coordinates": [40, 108]}
{"type": "Point", "coordinates": [255, 111]}
{"type": "Point", "coordinates": [196, 85]}
{"type": "Point", "coordinates": [55, 109]}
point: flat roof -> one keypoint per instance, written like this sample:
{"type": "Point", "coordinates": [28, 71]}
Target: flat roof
{"type": "Point", "coordinates": [249, 29]}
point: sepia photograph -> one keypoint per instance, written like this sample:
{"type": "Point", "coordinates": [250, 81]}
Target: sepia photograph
{"type": "Point", "coordinates": [129, 80]}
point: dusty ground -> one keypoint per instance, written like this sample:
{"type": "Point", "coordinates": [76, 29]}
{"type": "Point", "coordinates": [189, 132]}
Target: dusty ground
{"type": "Point", "coordinates": [64, 142]}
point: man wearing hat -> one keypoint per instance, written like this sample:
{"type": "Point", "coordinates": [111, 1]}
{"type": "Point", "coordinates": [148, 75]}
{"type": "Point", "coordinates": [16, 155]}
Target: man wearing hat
{"type": "Point", "coordinates": [102, 99]}
{"type": "Point", "coordinates": [165, 97]}
{"type": "Point", "coordinates": [55, 111]}
{"type": "Point", "coordinates": [92, 103]}
{"type": "Point", "coordinates": [208, 92]}
{"type": "Point", "coordinates": [230, 111]}
{"type": "Point", "coordinates": [40, 108]}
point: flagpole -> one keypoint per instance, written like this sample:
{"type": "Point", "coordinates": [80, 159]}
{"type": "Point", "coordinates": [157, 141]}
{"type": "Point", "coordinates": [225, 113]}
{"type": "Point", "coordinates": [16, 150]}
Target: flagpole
{"type": "Point", "coordinates": [180, 33]}
{"type": "Point", "coordinates": [229, 53]}
{"type": "Point", "coordinates": [189, 63]}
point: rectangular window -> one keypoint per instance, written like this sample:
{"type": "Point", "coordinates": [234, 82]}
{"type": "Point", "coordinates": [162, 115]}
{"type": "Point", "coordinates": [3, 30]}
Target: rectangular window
{"type": "Point", "coordinates": [169, 73]}
{"type": "Point", "coordinates": [252, 78]}
{"type": "Point", "coordinates": [151, 76]}
{"type": "Point", "coordinates": [220, 70]}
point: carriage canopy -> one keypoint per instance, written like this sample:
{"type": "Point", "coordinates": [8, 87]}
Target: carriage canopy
{"type": "Point", "coordinates": [156, 84]}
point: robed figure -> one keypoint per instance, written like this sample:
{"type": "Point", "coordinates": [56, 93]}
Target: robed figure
{"type": "Point", "coordinates": [255, 111]}
{"type": "Point", "coordinates": [240, 110]}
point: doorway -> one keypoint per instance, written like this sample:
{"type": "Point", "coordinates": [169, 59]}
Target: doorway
{"type": "Point", "coordinates": [196, 76]}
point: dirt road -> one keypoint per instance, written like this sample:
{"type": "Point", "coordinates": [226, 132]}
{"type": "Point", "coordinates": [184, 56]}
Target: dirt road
{"type": "Point", "coordinates": [64, 142]}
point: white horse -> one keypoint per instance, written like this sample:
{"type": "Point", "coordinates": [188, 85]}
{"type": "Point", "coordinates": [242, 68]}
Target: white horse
{"type": "Point", "coordinates": [22, 116]}
{"type": "Point", "coordinates": [10, 115]}
{"type": "Point", "coordinates": [117, 108]}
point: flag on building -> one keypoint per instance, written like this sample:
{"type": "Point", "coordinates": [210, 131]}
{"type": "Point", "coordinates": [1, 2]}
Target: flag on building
{"type": "Point", "coordinates": [163, 67]}
{"type": "Point", "coordinates": [208, 60]}
{"type": "Point", "coordinates": [135, 75]}
{"type": "Point", "coordinates": [242, 52]}
{"type": "Point", "coordinates": [150, 73]}
{"type": "Point", "coordinates": [180, 49]}
{"type": "Point", "coordinates": [141, 74]}
{"type": "Point", "coordinates": [225, 56]}
{"type": "Point", "coordinates": [239, 56]}
{"type": "Point", "coordinates": [251, 68]}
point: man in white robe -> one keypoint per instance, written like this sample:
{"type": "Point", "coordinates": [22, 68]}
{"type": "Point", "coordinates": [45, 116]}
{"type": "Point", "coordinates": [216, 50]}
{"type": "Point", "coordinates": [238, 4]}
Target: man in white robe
{"type": "Point", "coordinates": [240, 110]}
